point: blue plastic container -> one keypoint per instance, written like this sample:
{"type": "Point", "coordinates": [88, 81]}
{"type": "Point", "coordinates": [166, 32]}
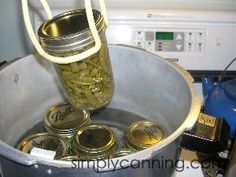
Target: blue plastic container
{"type": "Point", "coordinates": [220, 101]}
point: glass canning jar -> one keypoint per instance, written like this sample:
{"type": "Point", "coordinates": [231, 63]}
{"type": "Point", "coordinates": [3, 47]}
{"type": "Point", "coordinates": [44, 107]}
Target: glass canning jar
{"type": "Point", "coordinates": [94, 141]}
{"type": "Point", "coordinates": [88, 83]}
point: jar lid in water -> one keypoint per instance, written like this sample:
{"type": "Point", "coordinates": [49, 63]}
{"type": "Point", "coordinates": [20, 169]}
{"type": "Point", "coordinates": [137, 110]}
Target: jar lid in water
{"type": "Point", "coordinates": [65, 119]}
{"type": "Point", "coordinates": [95, 141]}
{"type": "Point", "coordinates": [122, 152]}
{"type": "Point", "coordinates": [143, 134]}
{"type": "Point", "coordinates": [45, 141]}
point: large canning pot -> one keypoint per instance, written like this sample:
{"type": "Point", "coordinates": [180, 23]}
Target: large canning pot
{"type": "Point", "coordinates": [146, 87]}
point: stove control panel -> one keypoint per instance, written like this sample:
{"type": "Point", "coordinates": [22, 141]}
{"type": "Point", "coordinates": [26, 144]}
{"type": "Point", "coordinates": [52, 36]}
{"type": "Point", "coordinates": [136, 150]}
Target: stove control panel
{"type": "Point", "coordinates": [168, 40]}
{"type": "Point", "coordinates": [197, 40]}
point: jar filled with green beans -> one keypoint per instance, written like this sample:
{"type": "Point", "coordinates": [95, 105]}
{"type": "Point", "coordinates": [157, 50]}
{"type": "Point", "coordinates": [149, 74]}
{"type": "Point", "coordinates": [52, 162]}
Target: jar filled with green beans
{"type": "Point", "coordinates": [88, 83]}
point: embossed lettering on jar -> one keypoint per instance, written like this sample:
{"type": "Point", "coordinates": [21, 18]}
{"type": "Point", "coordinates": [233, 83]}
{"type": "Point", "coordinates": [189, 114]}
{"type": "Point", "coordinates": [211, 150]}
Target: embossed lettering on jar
{"type": "Point", "coordinates": [65, 120]}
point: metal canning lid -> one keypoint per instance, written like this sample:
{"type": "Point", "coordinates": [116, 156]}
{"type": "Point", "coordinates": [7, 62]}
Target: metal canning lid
{"type": "Point", "coordinates": [95, 141]}
{"type": "Point", "coordinates": [69, 31]}
{"type": "Point", "coordinates": [45, 141]}
{"type": "Point", "coordinates": [122, 152]}
{"type": "Point", "coordinates": [65, 119]}
{"type": "Point", "coordinates": [143, 134]}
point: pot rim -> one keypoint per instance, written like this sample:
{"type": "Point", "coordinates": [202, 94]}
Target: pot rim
{"type": "Point", "coordinates": [29, 160]}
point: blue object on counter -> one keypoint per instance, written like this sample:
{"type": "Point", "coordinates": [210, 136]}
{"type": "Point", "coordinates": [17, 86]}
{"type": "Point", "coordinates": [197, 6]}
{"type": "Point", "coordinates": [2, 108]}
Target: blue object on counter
{"type": "Point", "coordinates": [220, 101]}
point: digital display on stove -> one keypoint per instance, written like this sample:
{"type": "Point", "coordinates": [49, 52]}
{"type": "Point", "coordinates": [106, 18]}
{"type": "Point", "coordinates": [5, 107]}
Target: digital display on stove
{"type": "Point", "coordinates": [164, 35]}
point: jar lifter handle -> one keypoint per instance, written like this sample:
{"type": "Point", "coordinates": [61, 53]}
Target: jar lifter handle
{"type": "Point", "coordinates": [92, 26]}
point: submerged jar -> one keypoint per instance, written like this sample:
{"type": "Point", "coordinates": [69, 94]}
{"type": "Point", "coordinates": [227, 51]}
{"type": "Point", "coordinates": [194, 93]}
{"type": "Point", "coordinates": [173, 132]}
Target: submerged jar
{"type": "Point", "coordinates": [94, 141]}
{"type": "Point", "coordinates": [122, 152]}
{"type": "Point", "coordinates": [47, 142]}
{"type": "Point", "coordinates": [65, 120]}
{"type": "Point", "coordinates": [144, 134]}
{"type": "Point", "coordinates": [88, 83]}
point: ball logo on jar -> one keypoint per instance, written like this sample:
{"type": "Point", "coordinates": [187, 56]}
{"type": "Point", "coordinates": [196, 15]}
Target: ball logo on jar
{"type": "Point", "coordinates": [61, 115]}
{"type": "Point", "coordinates": [152, 133]}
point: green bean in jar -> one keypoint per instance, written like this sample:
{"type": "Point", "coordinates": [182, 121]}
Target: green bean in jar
{"type": "Point", "coordinates": [88, 83]}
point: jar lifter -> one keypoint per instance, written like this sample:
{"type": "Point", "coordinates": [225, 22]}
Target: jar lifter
{"type": "Point", "coordinates": [92, 26]}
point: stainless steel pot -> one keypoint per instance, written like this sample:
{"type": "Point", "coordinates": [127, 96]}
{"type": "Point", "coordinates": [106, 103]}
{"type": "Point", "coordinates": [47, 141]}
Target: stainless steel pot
{"type": "Point", "coordinates": [147, 86]}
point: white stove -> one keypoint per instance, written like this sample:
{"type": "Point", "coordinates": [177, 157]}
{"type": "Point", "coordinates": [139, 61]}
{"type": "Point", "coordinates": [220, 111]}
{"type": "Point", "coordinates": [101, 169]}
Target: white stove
{"type": "Point", "coordinates": [197, 40]}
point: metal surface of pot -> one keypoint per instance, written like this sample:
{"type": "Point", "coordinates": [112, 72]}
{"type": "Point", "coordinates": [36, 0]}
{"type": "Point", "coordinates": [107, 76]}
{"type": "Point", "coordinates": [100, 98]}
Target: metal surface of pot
{"type": "Point", "coordinates": [147, 87]}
